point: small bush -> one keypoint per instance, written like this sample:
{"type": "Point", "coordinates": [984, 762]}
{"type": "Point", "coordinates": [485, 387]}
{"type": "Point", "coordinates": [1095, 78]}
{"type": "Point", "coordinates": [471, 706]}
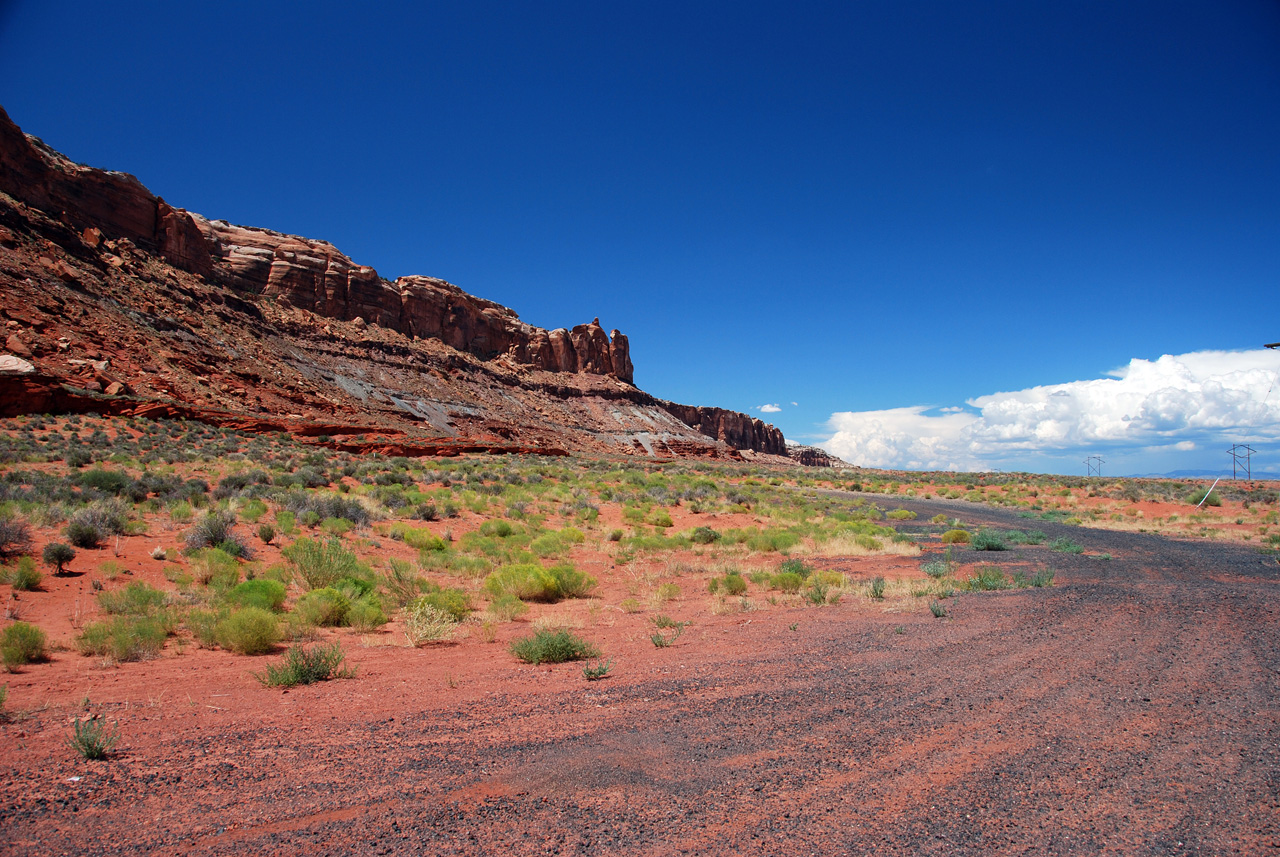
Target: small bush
{"type": "Point", "coordinates": [989, 540]}
{"type": "Point", "coordinates": [1209, 498]}
{"type": "Point", "coordinates": [937, 568]}
{"type": "Point", "coordinates": [89, 526]}
{"type": "Point", "coordinates": [23, 576]}
{"type": "Point", "coordinates": [703, 536]}
{"type": "Point", "coordinates": [124, 638]}
{"type": "Point", "coordinates": [263, 593]}
{"type": "Point", "coordinates": [1043, 577]}
{"type": "Point", "coordinates": [453, 601]}
{"type": "Point", "coordinates": [901, 515]}
{"type": "Point", "coordinates": [15, 536]}
{"type": "Point", "coordinates": [507, 608]}
{"type": "Point", "coordinates": [875, 588]}
{"type": "Point", "coordinates": [532, 582]}
{"type": "Point", "coordinates": [22, 643]}
{"type": "Point", "coordinates": [57, 555]}
{"type": "Point", "coordinates": [938, 609]}
{"type": "Point", "coordinates": [426, 623]}
{"type": "Point", "coordinates": [266, 533]}
{"type": "Point", "coordinates": [325, 607]}
{"type": "Point", "coordinates": [787, 581]}
{"type": "Point", "coordinates": [91, 739]}
{"type": "Point", "coordinates": [249, 631]}
{"type": "Point", "coordinates": [83, 534]}
{"type": "Point", "coordinates": [987, 578]}
{"type": "Point", "coordinates": [106, 481]}
{"type": "Point", "coordinates": [497, 529]}
{"type": "Point", "coordinates": [303, 665]}
{"type": "Point", "coordinates": [553, 647]}
{"type": "Point", "coordinates": [214, 530]}
{"type": "Point", "coordinates": [594, 671]}
{"type": "Point", "coordinates": [136, 599]}
{"type": "Point", "coordinates": [322, 563]}
{"type": "Point", "coordinates": [203, 625]}
{"type": "Point", "coordinates": [956, 537]}
{"type": "Point", "coordinates": [1065, 545]}
{"type": "Point", "coordinates": [366, 614]}
{"type": "Point", "coordinates": [215, 567]}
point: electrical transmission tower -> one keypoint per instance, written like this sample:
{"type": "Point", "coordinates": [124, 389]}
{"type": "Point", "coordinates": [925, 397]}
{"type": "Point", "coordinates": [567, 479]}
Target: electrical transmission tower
{"type": "Point", "coordinates": [1094, 463]}
{"type": "Point", "coordinates": [1240, 460]}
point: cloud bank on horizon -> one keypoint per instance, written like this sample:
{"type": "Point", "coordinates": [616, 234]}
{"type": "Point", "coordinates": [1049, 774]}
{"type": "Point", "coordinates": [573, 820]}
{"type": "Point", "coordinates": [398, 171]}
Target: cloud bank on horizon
{"type": "Point", "coordinates": [1153, 408]}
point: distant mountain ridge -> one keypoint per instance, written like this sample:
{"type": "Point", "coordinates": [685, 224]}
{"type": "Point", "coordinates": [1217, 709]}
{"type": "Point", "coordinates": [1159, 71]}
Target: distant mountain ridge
{"type": "Point", "coordinates": [1205, 474]}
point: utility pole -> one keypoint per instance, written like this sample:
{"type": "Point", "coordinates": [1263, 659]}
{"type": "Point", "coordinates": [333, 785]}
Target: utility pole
{"type": "Point", "coordinates": [1241, 453]}
{"type": "Point", "coordinates": [1094, 463]}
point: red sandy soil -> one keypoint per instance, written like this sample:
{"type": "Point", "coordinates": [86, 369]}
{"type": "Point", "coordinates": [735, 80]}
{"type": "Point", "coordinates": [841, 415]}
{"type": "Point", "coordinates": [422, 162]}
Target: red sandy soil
{"type": "Point", "coordinates": [1130, 709]}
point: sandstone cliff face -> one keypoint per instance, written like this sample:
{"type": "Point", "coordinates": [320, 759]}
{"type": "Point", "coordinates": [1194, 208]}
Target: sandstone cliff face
{"type": "Point", "coordinates": [84, 242]}
{"type": "Point", "coordinates": [309, 274]}
{"type": "Point", "coordinates": [738, 430]}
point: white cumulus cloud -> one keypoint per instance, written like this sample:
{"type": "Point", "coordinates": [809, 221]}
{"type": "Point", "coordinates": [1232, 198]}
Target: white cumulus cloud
{"type": "Point", "coordinates": [768, 409]}
{"type": "Point", "coordinates": [1175, 402]}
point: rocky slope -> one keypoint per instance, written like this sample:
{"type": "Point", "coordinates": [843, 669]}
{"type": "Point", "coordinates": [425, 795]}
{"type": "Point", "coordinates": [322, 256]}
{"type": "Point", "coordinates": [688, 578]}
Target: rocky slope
{"type": "Point", "coordinates": [115, 301]}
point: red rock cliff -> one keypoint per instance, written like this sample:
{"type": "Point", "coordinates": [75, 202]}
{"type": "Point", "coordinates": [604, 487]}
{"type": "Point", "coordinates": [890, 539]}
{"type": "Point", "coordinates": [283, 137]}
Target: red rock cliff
{"type": "Point", "coordinates": [738, 430]}
{"type": "Point", "coordinates": [312, 275]}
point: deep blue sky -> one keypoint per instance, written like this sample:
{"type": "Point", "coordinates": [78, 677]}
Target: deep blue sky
{"type": "Point", "coordinates": [852, 206]}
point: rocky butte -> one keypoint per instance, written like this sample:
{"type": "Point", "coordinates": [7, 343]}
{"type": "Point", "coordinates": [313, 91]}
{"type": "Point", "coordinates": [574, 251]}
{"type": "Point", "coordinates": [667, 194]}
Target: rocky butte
{"type": "Point", "coordinates": [114, 301]}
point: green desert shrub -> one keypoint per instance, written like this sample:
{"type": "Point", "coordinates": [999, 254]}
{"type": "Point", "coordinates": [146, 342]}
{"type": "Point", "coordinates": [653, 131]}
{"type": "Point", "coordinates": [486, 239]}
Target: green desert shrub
{"type": "Point", "coordinates": [249, 631]}
{"type": "Point", "coordinates": [23, 575]}
{"type": "Point", "coordinates": [532, 582]}
{"type": "Point", "coordinates": [104, 481]}
{"type": "Point", "coordinates": [366, 614]}
{"type": "Point", "coordinates": [260, 592]}
{"type": "Point", "coordinates": [1064, 545]}
{"type": "Point", "coordinates": [124, 638]}
{"type": "Point", "coordinates": [1209, 498]}
{"type": "Point", "coordinates": [988, 540]}
{"type": "Point", "coordinates": [786, 581]}
{"type": "Point", "coordinates": [507, 608]}
{"type": "Point", "coordinates": [307, 665]}
{"type": "Point", "coordinates": [91, 738]}
{"type": "Point", "coordinates": [326, 607]}
{"type": "Point", "coordinates": [136, 599]}
{"type": "Point", "coordinates": [956, 537]}
{"type": "Point", "coordinates": [987, 578]}
{"type": "Point", "coordinates": [22, 643]}
{"type": "Point", "coordinates": [703, 536]}
{"type": "Point", "coordinates": [772, 541]}
{"type": "Point", "coordinates": [216, 568]}
{"type": "Point", "coordinates": [453, 601]}
{"type": "Point", "coordinates": [57, 555]}
{"type": "Point", "coordinates": [321, 563]}
{"type": "Point", "coordinates": [553, 647]}
{"type": "Point", "coordinates": [732, 583]}
{"type": "Point", "coordinates": [497, 529]}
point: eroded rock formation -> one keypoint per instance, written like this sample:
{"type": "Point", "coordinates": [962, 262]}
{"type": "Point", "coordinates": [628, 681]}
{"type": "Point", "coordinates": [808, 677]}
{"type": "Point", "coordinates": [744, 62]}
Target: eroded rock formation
{"type": "Point", "coordinates": [306, 273]}
{"type": "Point", "coordinates": [110, 293]}
{"type": "Point", "coordinates": [738, 430]}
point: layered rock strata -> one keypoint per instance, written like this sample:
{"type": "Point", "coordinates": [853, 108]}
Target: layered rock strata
{"type": "Point", "coordinates": [183, 295]}
{"type": "Point", "coordinates": [302, 272]}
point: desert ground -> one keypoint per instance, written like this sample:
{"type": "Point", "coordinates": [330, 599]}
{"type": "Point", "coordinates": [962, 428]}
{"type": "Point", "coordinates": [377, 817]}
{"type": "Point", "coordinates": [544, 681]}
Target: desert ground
{"type": "Point", "coordinates": [836, 670]}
